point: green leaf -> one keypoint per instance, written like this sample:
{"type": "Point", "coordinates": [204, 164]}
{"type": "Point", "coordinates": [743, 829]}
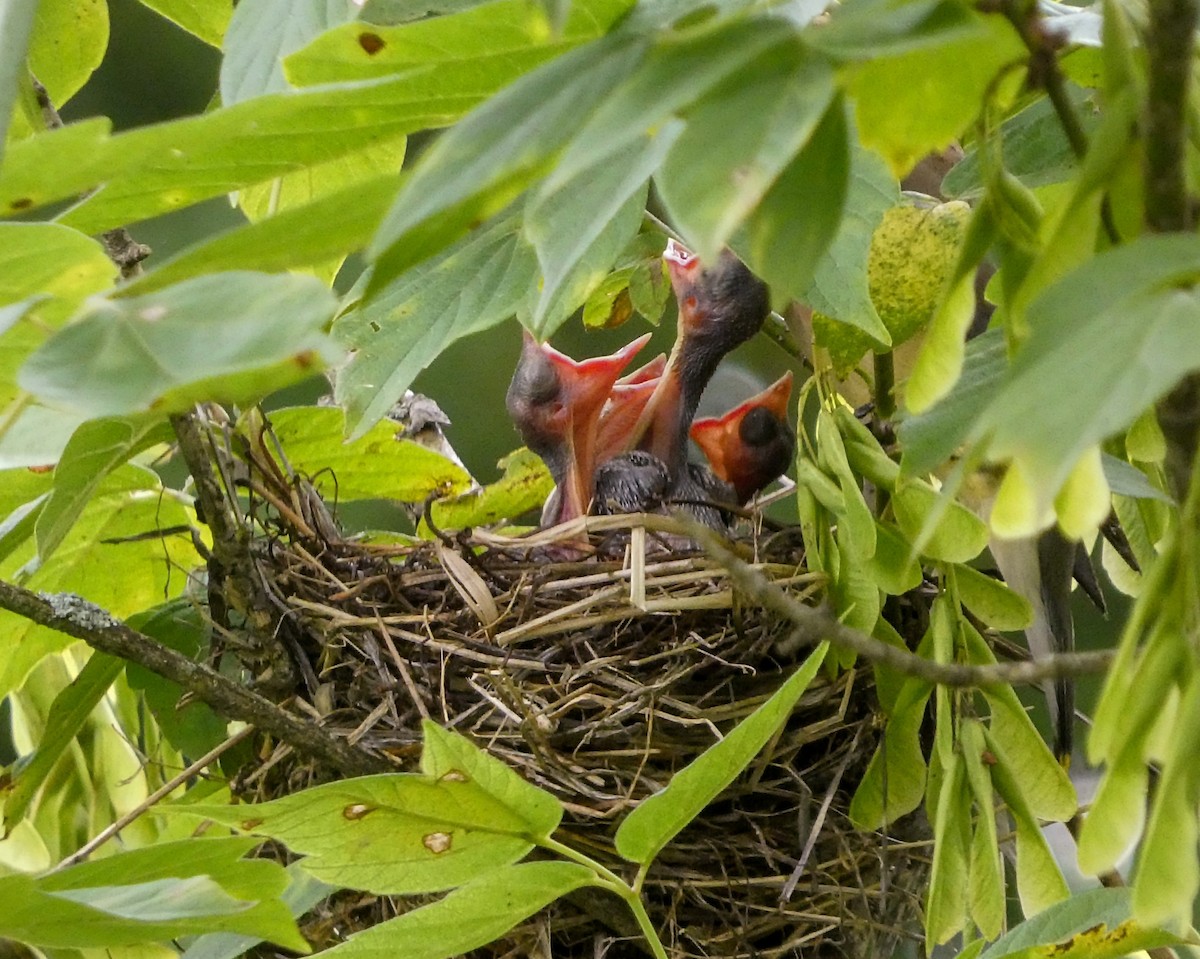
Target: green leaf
{"type": "Point", "coordinates": [390, 834]}
{"type": "Point", "coordinates": [156, 893]}
{"type": "Point", "coordinates": [18, 525]}
{"type": "Point", "coordinates": [448, 754]}
{"type": "Point", "coordinates": [868, 29]}
{"type": "Point", "coordinates": [991, 600]}
{"type": "Point", "coordinates": [67, 715]}
{"type": "Point", "coordinates": [109, 536]}
{"type": "Point", "coordinates": [16, 27]}
{"type": "Point", "coordinates": [97, 448]}
{"type": "Point", "coordinates": [946, 903]}
{"type": "Point", "coordinates": [232, 336]}
{"type": "Point", "coordinates": [1095, 924]}
{"type": "Point", "coordinates": [1168, 874]}
{"type": "Point", "coordinates": [579, 228]}
{"type": "Point", "coordinates": [261, 34]}
{"type": "Point", "coordinates": [892, 566]}
{"type": "Point", "coordinates": [677, 72]}
{"type": "Point", "coordinates": [1106, 341]}
{"type": "Point", "coordinates": [470, 917]}
{"type": "Point", "coordinates": [931, 438]}
{"type": "Point", "coordinates": [739, 140]}
{"type": "Point", "coordinates": [986, 871]}
{"type": "Point", "coordinates": [476, 168]}
{"type": "Point", "coordinates": [659, 818]}
{"type": "Point", "coordinates": [897, 764]}
{"type": "Point", "coordinates": [376, 465]}
{"type": "Point", "coordinates": [189, 725]}
{"type": "Point", "coordinates": [938, 527]}
{"type": "Point", "coordinates": [780, 246]}
{"type": "Point", "coordinates": [297, 238]}
{"type": "Point", "coordinates": [166, 166]}
{"type": "Point", "coordinates": [1033, 146]}
{"type": "Point", "coordinates": [1125, 479]}
{"type": "Point", "coordinates": [399, 330]}
{"type": "Point", "coordinates": [839, 284]}
{"type": "Point", "coordinates": [467, 44]}
{"type": "Point", "coordinates": [1040, 881]}
{"type": "Point", "coordinates": [524, 486]}
{"type": "Point", "coordinates": [896, 113]}
{"type": "Point", "coordinates": [69, 41]}
{"type": "Point", "coordinates": [58, 265]}
{"type": "Point", "coordinates": [206, 19]}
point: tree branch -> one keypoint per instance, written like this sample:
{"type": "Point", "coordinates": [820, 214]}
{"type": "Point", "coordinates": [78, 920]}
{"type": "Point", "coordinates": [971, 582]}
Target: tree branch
{"type": "Point", "coordinates": [76, 617]}
{"type": "Point", "coordinates": [813, 625]}
{"type": "Point", "coordinates": [1168, 207]}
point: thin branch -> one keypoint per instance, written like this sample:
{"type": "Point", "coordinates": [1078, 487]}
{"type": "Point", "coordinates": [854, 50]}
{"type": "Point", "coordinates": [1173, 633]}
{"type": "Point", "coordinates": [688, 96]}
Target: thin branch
{"type": "Point", "coordinates": [76, 617]}
{"type": "Point", "coordinates": [160, 793]}
{"type": "Point", "coordinates": [814, 625]}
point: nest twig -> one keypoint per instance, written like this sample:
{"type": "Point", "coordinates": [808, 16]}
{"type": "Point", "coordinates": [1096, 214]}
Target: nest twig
{"type": "Point", "coordinates": [598, 668]}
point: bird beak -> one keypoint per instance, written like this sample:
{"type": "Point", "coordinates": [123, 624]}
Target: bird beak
{"type": "Point", "coordinates": [719, 436]}
{"type": "Point", "coordinates": [587, 385]}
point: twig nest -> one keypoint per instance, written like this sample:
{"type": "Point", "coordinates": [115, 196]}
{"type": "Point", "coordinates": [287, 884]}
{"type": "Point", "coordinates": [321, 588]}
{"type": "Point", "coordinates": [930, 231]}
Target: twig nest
{"type": "Point", "coordinates": [598, 666]}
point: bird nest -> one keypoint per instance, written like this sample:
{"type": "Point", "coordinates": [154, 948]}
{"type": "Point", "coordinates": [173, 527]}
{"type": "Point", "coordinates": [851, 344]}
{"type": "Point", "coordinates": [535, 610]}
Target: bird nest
{"type": "Point", "coordinates": [598, 677]}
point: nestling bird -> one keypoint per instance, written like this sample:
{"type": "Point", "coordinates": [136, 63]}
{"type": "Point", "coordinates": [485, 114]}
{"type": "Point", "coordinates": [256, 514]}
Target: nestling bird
{"type": "Point", "coordinates": [556, 403]}
{"type": "Point", "coordinates": [752, 444]}
{"type": "Point", "coordinates": [720, 308]}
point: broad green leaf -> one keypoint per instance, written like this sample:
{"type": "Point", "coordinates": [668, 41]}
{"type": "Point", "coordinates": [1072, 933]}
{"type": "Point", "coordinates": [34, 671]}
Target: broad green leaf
{"type": "Point", "coordinates": [390, 834]}
{"type": "Point", "coordinates": [897, 764]}
{"type": "Point", "coordinates": [986, 871]}
{"type": "Point", "coordinates": [1040, 881]}
{"type": "Point", "coordinates": [1168, 874]}
{"type": "Point", "coordinates": [869, 29]}
{"type": "Point", "coordinates": [856, 515]}
{"type": "Point", "coordinates": [231, 336]}
{"type": "Point", "coordinates": [166, 166]}
{"type": "Point", "coordinates": [396, 332]}
{"type": "Point", "coordinates": [301, 190]}
{"type": "Point", "coordinates": [496, 41]}
{"type": "Point", "coordinates": [1125, 479]}
{"type": "Point", "coordinates": [1094, 924]}
{"type": "Point", "coordinates": [18, 525]}
{"type": "Point", "coordinates": [839, 284]}
{"type": "Point", "coordinates": [189, 725]}
{"type": "Point", "coordinates": [475, 169]}
{"type": "Point", "coordinates": [107, 558]}
{"type": "Point", "coordinates": [932, 438]}
{"type": "Point", "coordinates": [206, 19]}
{"type": "Point", "coordinates": [16, 27]}
{"type": "Point", "coordinates": [448, 754]}
{"type": "Point", "coordinates": [37, 436]}
{"type": "Point", "coordinates": [157, 893]}
{"type": "Point", "coordinates": [470, 917]}
{"type": "Point", "coordinates": [67, 715]}
{"type": "Point", "coordinates": [97, 448]}
{"type": "Point", "coordinates": [1033, 146]}
{"type": "Point", "coordinates": [59, 265]}
{"type": "Point", "coordinates": [1106, 341]}
{"type": "Point", "coordinates": [897, 112]}
{"type": "Point", "coordinates": [302, 894]}
{"type": "Point", "coordinates": [863, 450]}
{"type": "Point", "coordinates": [524, 486]}
{"type": "Point", "coordinates": [376, 465]}
{"type": "Point", "coordinates": [659, 818]}
{"type": "Point", "coordinates": [68, 43]}
{"type": "Point", "coordinates": [946, 903]}
{"type": "Point", "coordinates": [740, 138]}
{"type": "Point", "coordinates": [991, 600]}
{"type": "Point", "coordinates": [579, 229]}
{"type": "Point", "coordinates": [938, 527]}
{"type": "Point", "coordinates": [782, 247]}
{"type": "Point", "coordinates": [853, 592]}
{"type": "Point", "coordinates": [262, 33]}
{"type": "Point", "coordinates": [19, 487]}
{"type": "Point", "coordinates": [676, 73]}
{"type": "Point", "coordinates": [296, 238]}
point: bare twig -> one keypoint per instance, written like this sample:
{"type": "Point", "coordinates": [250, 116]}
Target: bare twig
{"type": "Point", "coordinates": [75, 616]}
{"type": "Point", "coordinates": [815, 625]}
